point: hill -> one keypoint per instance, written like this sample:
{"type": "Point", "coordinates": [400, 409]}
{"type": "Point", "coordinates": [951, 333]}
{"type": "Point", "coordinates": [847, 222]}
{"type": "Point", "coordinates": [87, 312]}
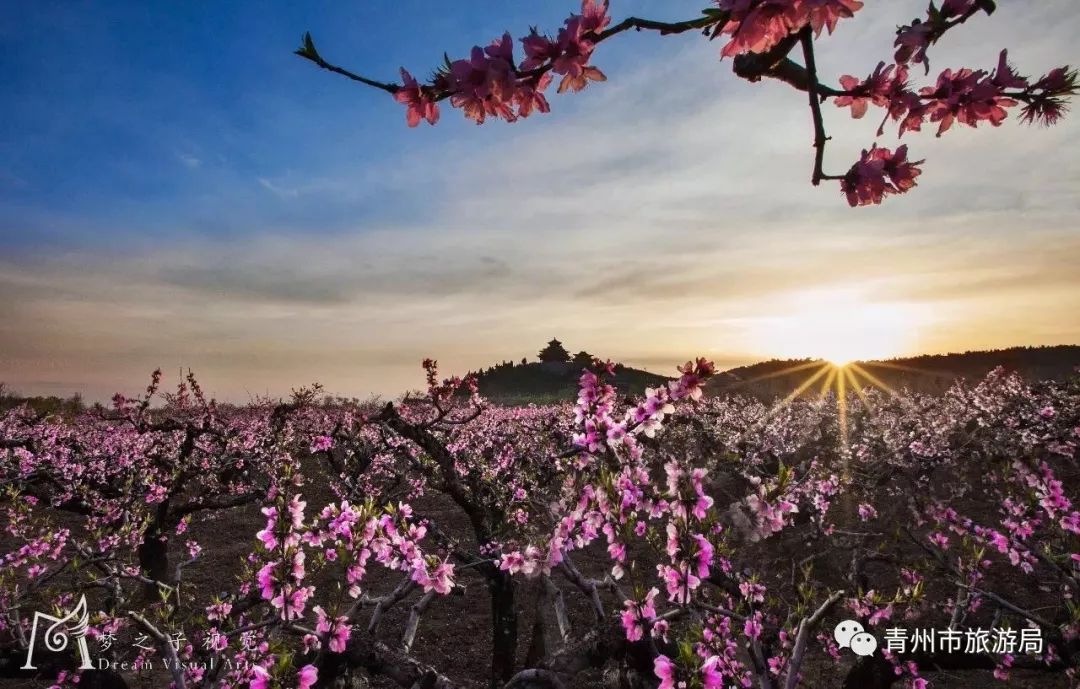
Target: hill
{"type": "Point", "coordinates": [929, 373]}
{"type": "Point", "coordinates": [538, 383]}
{"type": "Point", "coordinates": [554, 378]}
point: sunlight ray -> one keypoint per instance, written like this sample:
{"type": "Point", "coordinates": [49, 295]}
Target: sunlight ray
{"type": "Point", "coordinates": [782, 372]}
{"type": "Point", "coordinates": [849, 371]}
{"type": "Point", "coordinates": [803, 387]}
{"type": "Point", "coordinates": [873, 379]}
{"type": "Point", "coordinates": [909, 369]}
{"type": "Point", "coordinates": [841, 406]}
{"type": "Point", "coordinates": [828, 384]}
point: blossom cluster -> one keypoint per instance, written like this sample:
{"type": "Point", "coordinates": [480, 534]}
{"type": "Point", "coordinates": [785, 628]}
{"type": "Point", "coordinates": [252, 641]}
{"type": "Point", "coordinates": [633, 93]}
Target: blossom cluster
{"type": "Point", "coordinates": [490, 83]}
{"type": "Point", "coordinates": [757, 26]}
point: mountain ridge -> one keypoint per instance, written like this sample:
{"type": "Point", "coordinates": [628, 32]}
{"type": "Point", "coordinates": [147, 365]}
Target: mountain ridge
{"type": "Point", "coordinates": [556, 381]}
{"type": "Point", "coordinates": [925, 373]}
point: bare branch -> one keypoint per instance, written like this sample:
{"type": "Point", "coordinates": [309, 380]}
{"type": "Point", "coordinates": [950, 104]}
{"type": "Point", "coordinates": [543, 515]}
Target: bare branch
{"type": "Point", "coordinates": [175, 669]}
{"type": "Point", "coordinates": [308, 52]}
{"type": "Point", "coordinates": [587, 586]}
{"type": "Point", "coordinates": [802, 637]}
{"type": "Point", "coordinates": [386, 602]}
{"type": "Point", "coordinates": [415, 613]}
{"type": "Point", "coordinates": [806, 36]}
{"type": "Point", "coordinates": [555, 594]}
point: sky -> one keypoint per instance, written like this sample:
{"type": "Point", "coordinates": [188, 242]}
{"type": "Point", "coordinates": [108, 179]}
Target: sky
{"type": "Point", "coordinates": [178, 190]}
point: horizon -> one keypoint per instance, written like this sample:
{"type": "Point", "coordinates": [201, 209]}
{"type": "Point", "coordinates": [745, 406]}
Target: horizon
{"type": "Point", "coordinates": [220, 205]}
{"type": "Point", "coordinates": [168, 380]}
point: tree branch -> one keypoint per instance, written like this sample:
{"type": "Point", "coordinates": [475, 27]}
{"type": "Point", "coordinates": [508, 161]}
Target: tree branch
{"type": "Point", "coordinates": [175, 669]}
{"type": "Point", "coordinates": [308, 52]}
{"type": "Point", "coordinates": [802, 637]}
{"type": "Point", "coordinates": [386, 602]}
{"type": "Point", "coordinates": [413, 624]}
{"type": "Point", "coordinates": [806, 36]}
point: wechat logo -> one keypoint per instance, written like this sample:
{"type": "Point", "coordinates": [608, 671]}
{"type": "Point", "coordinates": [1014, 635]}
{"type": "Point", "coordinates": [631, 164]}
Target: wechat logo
{"type": "Point", "coordinates": [850, 634]}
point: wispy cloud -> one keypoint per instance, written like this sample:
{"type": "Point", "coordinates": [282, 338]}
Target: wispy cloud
{"type": "Point", "coordinates": [189, 161]}
{"type": "Point", "coordinates": [660, 215]}
{"type": "Point", "coordinates": [281, 191]}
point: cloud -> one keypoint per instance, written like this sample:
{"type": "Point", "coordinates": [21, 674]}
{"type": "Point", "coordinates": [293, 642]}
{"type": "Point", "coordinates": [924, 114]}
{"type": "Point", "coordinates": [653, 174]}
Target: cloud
{"type": "Point", "coordinates": [189, 161]}
{"type": "Point", "coordinates": [281, 191]}
{"type": "Point", "coordinates": [654, 217]}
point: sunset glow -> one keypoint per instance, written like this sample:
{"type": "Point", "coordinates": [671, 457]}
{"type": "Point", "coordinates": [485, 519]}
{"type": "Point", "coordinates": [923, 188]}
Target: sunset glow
{"type": "Point", "coordinates": [839, 326]}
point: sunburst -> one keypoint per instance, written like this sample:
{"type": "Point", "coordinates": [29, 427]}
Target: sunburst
{"type": "Point", "coordinates": [840, 381]}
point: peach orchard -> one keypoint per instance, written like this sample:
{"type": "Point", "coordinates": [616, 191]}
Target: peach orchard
{"type": "Point", "coordinates": [904, 510]}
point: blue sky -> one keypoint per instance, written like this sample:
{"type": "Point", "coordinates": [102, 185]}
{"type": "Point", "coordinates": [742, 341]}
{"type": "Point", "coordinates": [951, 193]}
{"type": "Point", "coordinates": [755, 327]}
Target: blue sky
{"type": "Point", "coordinates": [176, 188]}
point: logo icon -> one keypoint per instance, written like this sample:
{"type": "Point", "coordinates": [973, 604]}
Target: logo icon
{"type": "Point", "coordinates": [71, 626]}
{"type": "Point", "coordinates": [850, 634]}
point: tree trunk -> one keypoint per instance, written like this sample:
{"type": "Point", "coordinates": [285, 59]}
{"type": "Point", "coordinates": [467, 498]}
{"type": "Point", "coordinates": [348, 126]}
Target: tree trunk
{"type": "Point", "coordinates": [538, 644]}
{"type": "Point", "coordinates": [504, 632]}
{"type": "Point", "coordinates": [154, 561]}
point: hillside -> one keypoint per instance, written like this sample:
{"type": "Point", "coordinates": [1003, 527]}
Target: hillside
{"type": "Point", "coordinates": [930, 373]}
{"type": "Point", "coordinates": [554, 378]}
{"type": "Point", "coordinates": [536, 383]}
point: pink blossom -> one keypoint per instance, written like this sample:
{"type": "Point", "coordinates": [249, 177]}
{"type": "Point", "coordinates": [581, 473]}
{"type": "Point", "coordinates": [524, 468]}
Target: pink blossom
{"type": "Point", "coordinates": [886, 87]}
{"type": "Point", "coordinates": [419, 103]}
{"type": "Point", "coordinates": [262, 678]}
{"type": "Point", "coordinates": [752, 627]}
{"type": "Point", "coordinates": [965, 96]}
{"type": "Point", "coordinates": [321, 443]}
{"type": "Point", "coordinates": [879, 173]}
{"type": "Point", "coordinates": [678, 583]}
{"type": "Point", "coordinates": [665, 671]}
{"type": "Point", "coordinates": [635, 615]}
{"type": "Point", "coordinates": [538, 50]}
{"type": "Point", "coordinates": [307, 677]}
{"type": "Point", "coordinates": [752, 591]}
{"type": "Point", "coordinates": [711, 678]}
{"type": "Point", "coordinates": [265, 579]}
{"type": "Point", "coordinates": [703, 557]}
{"type": "Point", "coordinates": [440, 580]}
{"type": "Point", "coordinates": [756, 26]}
{"type": "Point", "coordinates": [912, 41]}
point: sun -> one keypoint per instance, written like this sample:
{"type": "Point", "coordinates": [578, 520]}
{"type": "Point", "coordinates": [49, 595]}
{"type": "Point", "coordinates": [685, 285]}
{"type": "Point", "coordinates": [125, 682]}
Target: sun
{"type": "Point", "coordinates": [837, 326]}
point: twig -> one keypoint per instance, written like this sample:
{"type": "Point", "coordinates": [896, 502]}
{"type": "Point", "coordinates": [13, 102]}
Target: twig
{"type": "Point", "coordinates": [175, 669]}
{"type": "Point", "coordinates": [665, 28]}
{"type": "Point", "coordinates": [802, 637]}
{"type": "Point", "coordinates": [806, 36]}
{"type": "Point", "coordinates": [308, 52]}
